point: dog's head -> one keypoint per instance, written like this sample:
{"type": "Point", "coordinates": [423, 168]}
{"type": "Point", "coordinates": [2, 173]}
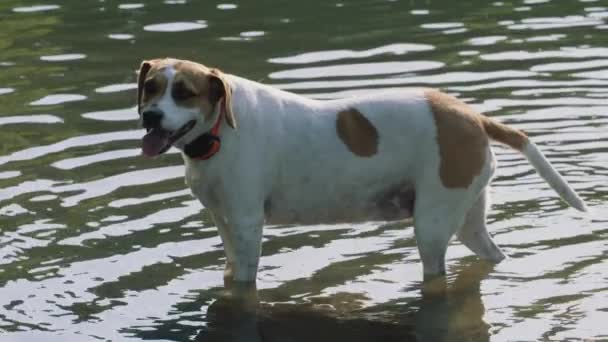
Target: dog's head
{"type": "Point", "coordinates": [178, 100]}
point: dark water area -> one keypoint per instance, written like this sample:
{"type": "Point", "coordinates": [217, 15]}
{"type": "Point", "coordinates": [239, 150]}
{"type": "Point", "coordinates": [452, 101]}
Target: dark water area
{"type": "Point", "coordinates": [98, 243]}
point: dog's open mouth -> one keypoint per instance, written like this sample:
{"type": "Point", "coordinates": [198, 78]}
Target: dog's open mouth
{"type": "Point", "coordinates": [157, 141]}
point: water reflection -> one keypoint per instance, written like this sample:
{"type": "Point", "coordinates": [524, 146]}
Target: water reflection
{"type": "Point", "coordinates": [446, 311]}
{"type": "Point", "coordinates": [226, 6]}
{"type": "Point", "coordinates": [6, 91]}
{"type": "Point", "coordinates": [333, 55]}
{"type": "Point", "coordinates": [57, 99]}
{"type": "Point", "coordinates": [130, 6]}
{"type": "Point", "coordinates": [21, 119]}
{"type": "Point", "coordinates": [176, 26]}
{"type": "Point", "coordinates": [63, 57]}
{"type": "Point", "coordinates": [39, 8]}
{"type": "Point", "coordinates": [360, 69]}
{"type": "Point", "coordinates": [121, 36]}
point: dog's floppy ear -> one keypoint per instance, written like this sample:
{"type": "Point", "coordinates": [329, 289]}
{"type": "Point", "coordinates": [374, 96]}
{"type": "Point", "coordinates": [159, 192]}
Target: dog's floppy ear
{"type": "Point", "coordinates": [218, 88]}
{"type": "Point", "coordinates": [143, 71]}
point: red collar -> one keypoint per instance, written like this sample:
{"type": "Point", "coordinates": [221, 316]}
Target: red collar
{"type": "Point", "coordinates": [209, 143]}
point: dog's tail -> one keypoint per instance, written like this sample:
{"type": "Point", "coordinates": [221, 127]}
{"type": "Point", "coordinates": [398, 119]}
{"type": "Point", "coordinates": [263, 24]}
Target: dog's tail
{"type": "Point", "coordinates": [519, 141]}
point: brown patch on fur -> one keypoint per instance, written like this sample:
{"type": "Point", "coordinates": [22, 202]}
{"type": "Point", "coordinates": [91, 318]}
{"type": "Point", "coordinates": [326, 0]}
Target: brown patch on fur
{"type": "Point", "coordinates": [461, 137]}
{"type": "Point", "coordinates": [193, 78]}
{"type": "Point", "coordinates": [208, 86]}
{"type": "Point", "coordinates": [159, 82]}
{"type": "Point", "coordinates": [504, 134]}
{"type": "Point", "coordinates": [141, 78]}
{"type": "Point", "coordinates": [151, 72]}
{"type": "Point", "coordinates": [221, 88]}
{"type": "Point", "coordinates": [357, 133]}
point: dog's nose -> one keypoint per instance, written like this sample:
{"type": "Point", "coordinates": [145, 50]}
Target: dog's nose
{"type": "Point", "coordinates": [151, 118]}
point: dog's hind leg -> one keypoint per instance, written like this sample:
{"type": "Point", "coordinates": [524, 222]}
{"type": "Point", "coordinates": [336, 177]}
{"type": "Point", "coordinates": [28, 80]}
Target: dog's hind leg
{"type": "Point", "coordinates": [474, 233]}
{"type": "Point", "coordinates": [440, 211]}
{"type": "Point", "coordinates": [436, 218]}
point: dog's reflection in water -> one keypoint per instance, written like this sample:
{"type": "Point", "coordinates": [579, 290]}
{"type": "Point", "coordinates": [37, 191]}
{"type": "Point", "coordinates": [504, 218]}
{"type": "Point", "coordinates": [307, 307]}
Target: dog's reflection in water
{"type": "Point", "coordinates": [446, 311]}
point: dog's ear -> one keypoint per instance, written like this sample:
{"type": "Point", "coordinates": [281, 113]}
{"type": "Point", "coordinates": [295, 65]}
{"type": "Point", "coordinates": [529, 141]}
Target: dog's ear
{"type": "Point", "coordinates": [141, 78]}
{"type": "Point", "coordinates": [220, 88]}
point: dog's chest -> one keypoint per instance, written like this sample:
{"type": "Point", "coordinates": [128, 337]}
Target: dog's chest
{"type": "Point", "coordinates": [345, 205]}
{"type": "Point", "coordinates": [203, 185]}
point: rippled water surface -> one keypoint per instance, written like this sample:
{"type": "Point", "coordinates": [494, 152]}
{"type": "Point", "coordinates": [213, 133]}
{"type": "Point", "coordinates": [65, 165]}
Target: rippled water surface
{"type": "Point", "coordinates": [98, 243]}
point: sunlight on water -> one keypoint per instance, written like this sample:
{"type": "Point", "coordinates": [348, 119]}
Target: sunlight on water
{"type": "Point", "coordinates": [57, 99]}
{"type": "Point", "coordinates": [332, 55]}
{"type": "Point", "coordinates": [61, 58]}
{"type": "Point", "coordinates": [362, 69]}
{"type": "Point", "coordinates": [39, 8]}
{"type": "Point", "coordinates": [20, 119]}
{"type": "Point", "coordinates": [125, 114]}
{"type": "Point", "coordinates": [176, 27]}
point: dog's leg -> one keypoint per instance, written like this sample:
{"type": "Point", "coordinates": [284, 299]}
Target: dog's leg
{"type": "Point", "coordinates": [434, 224]}
{"type": "Point", "coordinates": [228, 244]}
{"type": "Point", "coordinates": [474, 234]}
{"type": "Point", "coordinates": [245, 232]}
{"type": "Point", "coordinates": [440, 212]}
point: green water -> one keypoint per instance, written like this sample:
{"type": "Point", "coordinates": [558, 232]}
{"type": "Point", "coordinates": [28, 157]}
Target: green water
{"type": "Point", "coordinates": [98, 243]}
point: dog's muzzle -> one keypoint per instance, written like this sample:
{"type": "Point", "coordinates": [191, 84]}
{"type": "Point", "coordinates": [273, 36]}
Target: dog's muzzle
{"type": "Point", "coordinates": [157, 139]}
{"type": "Point", "coordinates": [151, 119]}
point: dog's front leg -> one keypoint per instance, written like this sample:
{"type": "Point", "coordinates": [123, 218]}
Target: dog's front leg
{"type": "Point", "coordinates": [224, 232]}
{"type": "Point", "coordinates": [245, 234]}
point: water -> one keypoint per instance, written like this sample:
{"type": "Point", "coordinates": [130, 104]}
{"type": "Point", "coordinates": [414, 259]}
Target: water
{"type": "Point", "coordinates": [97, 242]}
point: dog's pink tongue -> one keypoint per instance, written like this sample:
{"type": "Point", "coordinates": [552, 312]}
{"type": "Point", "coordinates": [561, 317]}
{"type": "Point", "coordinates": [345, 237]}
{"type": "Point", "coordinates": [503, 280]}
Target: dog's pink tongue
{"type": "Point", "coordinates": [154, 141]}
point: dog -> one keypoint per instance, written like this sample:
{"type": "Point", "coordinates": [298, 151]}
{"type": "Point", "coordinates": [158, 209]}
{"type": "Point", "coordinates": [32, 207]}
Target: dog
{"type": "Point", "coordinates": [258, 155]}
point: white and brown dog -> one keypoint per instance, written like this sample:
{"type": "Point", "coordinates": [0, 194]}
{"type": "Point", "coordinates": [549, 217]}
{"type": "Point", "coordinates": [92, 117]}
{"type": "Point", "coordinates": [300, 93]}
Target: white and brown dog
{"type": "Point", "coordinates": [295, 160]}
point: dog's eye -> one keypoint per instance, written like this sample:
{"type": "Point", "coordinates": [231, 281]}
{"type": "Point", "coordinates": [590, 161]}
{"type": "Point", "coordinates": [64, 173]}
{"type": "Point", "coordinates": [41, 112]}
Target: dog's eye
{"type": "Point", "coordinates": [181, 92]}
{"type": "Point", "coordinates": [150, 87]}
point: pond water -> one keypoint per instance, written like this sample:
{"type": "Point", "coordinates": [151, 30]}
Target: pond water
{"type": "Point", "coordinates": [98, 243]}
